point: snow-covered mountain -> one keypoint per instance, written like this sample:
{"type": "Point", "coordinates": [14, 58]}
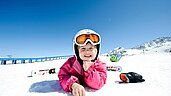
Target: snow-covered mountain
{"type": "Point", "coordinates": [162, 44]}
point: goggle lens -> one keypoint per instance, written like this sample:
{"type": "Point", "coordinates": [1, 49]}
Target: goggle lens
{"type": "Point", "coordinates": [82, 38]}
{"type": "Point", "coordinates": [94, 38]}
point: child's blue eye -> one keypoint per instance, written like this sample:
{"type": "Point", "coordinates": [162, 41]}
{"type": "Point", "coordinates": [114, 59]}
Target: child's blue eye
{"type": "Point", "coordinates": [83, 49]}
{"type": "Point", "coordinates": [91, 48]}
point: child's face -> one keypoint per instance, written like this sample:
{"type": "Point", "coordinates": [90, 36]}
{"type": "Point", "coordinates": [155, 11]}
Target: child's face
{"type": "Point", "coordinates": [87, 52]}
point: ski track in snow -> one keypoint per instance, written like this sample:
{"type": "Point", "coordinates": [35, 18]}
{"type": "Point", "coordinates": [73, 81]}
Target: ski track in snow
{"type": "Point", "coordinates": [155, 69]}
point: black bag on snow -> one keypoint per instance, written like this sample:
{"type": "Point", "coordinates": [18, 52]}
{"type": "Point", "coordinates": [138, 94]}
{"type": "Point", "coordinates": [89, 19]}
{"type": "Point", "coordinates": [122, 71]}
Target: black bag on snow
{"type": "Point", "coordinates": [131, 77]}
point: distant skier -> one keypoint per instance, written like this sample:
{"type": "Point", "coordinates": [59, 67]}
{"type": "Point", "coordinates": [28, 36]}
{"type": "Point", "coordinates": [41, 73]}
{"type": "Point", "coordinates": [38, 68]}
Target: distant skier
{"type": "Point", "coordinates": [115, 58]}
{"type": "Point", "coordinates": [85, 68]}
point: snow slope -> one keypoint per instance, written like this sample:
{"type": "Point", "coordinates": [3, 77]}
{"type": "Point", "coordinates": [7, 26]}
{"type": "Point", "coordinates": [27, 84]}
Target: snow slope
{"type": "Point", "coordinates": [153, 64]}
{"type": "Point", "coordinates": [162, 44]}
{"type": "Point", "coordinates": [155, 68]}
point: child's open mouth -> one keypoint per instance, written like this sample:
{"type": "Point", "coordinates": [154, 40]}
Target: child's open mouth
{"type": "Point", "coordinates": [87, 56]}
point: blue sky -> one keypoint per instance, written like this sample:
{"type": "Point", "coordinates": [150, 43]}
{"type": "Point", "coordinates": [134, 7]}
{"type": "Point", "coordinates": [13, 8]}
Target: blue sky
{"type": "Point", "coordinates": [35, 28]}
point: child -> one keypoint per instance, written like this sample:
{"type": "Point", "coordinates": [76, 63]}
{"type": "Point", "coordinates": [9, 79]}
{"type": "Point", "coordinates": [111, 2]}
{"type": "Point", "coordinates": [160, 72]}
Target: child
{"type": "Point", "coordinates": [85, 68]}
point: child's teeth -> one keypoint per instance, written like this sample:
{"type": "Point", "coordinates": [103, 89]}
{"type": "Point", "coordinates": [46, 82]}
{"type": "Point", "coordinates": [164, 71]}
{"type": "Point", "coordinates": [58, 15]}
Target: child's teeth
{"type": "Point", "coordinates": [87, 55]}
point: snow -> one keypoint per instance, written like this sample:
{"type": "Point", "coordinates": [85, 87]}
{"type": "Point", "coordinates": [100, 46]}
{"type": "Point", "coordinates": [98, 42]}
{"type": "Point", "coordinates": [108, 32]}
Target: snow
{"type": "Point", "coordinates": [155, 68]}
{"type": "Point", "coordinates": [133, 52]}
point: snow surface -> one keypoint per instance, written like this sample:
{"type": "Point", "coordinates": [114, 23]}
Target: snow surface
{"type": "Point", "coordinates": [155, 69]}
{"type": "Point", "coordinates": [153, 63]}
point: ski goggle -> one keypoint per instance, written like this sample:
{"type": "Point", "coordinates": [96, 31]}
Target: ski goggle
{"type": "Point", "coordinates": [82, 40]}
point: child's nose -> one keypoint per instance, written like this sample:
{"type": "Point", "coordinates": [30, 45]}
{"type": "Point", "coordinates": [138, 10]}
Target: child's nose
{"type": "Point", "coordinates": [87, 50]}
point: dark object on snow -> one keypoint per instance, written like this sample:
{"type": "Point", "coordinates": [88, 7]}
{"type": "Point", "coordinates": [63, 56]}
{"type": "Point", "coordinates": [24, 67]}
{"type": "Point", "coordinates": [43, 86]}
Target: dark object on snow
{"type": "Point", "coordinates": [114, 68]}
{"type": "Point", "coordinates": [131, 77]}
{"type": "Point", "coordinates": [52, 71]}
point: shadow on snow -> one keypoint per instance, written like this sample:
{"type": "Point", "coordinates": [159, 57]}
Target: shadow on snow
{"type": "Point", "coordinates": [46, 87]}
{"type": "Point", "coordinates": [51, 86]}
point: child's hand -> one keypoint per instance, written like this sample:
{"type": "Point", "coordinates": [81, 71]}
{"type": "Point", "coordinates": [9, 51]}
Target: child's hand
{"type": "Point", "coordinates": [78, 90]}
{"type": "Point", "coordinates": [87, 64]}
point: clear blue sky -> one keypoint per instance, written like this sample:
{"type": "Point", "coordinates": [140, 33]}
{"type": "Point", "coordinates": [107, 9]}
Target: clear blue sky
{"type": "Point", "coordinates": [30, 28]}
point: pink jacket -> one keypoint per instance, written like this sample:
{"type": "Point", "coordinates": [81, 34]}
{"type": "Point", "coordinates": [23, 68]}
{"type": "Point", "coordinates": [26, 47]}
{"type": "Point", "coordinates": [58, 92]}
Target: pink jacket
{"type": "Point", "coordinates": [72, 71]}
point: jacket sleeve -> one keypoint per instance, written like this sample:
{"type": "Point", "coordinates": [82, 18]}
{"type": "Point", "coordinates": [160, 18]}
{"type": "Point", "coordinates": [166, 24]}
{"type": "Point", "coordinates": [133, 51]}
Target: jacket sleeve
{"type": "Point", "coordinates": [95, 77]}
{"type": "Point", "coordinates": [65, 78]}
